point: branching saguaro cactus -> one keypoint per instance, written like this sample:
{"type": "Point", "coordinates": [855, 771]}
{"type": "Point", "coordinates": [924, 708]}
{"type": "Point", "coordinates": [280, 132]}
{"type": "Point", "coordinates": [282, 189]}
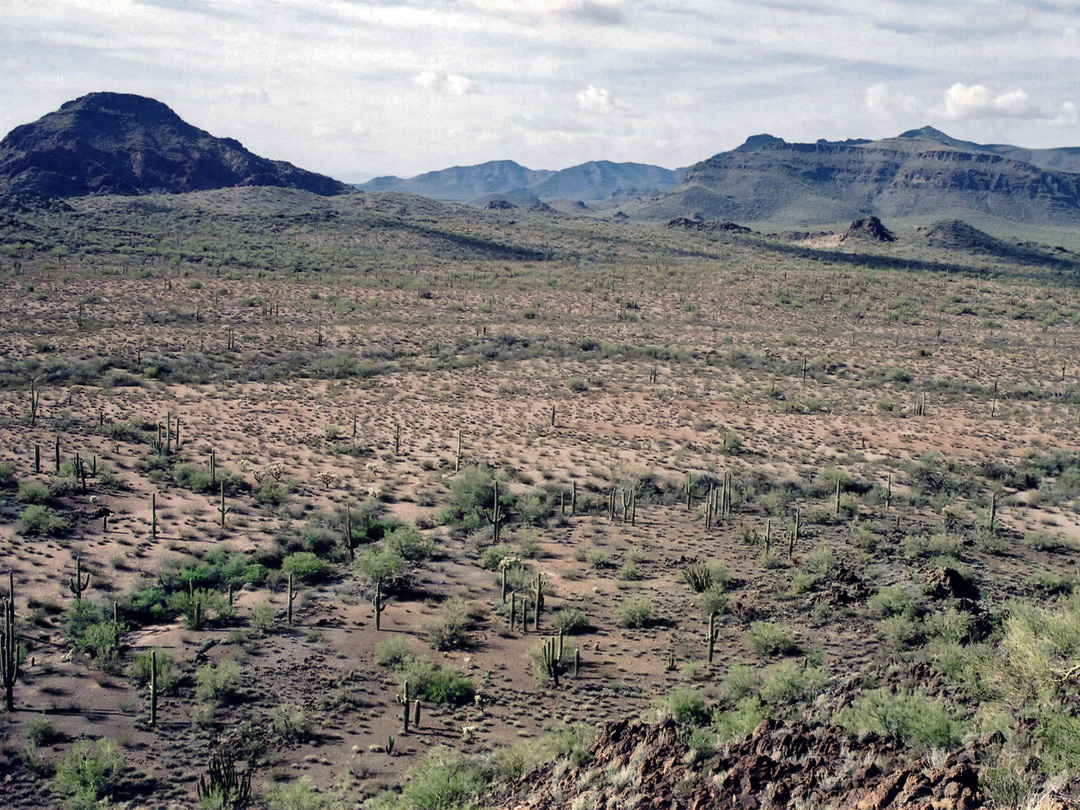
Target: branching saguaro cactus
{"type": "Point", "coordinates": [10, 654]}
{"type": "Point", "coordinates": [223, 509]}
{"type": "Point", "coordinates": [495, 516]}
{"type": "Point", "coordinates": [78, 584]}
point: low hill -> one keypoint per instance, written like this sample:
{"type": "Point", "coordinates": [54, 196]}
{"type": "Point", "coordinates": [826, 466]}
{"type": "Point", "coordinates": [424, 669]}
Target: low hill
{"type": "Point", "coordinates": [114, 143]}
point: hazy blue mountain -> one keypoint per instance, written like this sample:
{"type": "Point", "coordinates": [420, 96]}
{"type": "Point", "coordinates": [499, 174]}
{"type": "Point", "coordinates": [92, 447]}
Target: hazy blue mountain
{"type": "Point", "coordinates": [595, 180]}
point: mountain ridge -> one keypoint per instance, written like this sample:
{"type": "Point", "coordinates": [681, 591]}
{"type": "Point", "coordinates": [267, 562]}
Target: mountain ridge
{"type": "Point", "coordinates": [119, 143]}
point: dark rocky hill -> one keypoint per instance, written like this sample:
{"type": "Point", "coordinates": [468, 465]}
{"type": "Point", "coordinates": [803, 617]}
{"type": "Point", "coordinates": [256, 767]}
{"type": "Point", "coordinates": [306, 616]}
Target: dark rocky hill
{"type": "Point", "coordinates": [114, 143]}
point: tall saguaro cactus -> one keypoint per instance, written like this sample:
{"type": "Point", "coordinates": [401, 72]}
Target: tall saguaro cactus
{"type": "Point", "coordinates": [10, 654]}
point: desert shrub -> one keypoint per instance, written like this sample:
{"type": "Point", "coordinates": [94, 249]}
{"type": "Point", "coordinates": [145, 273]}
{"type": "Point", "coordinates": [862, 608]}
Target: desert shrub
{"type": "Point", "coordinates": [951, 626]}
{"type": "Point", "coordinates": [900, 631]}
{"type": "Point", "coordinates": [445, 779]}
{"type": "Point", "coordinates": [90, 630]}
{"type": "Point", "coordinates": [393, 653]}
{"type": "Point", "coordinates": [200, 607]}
{"type": "Point", "coordinates": [290, 723]}
{"type": "Point", "coordinates": [534, 508]}
{"type": "Point", "coordinates": [302, 795]}
{"type": "Point", "coordinates": [769, 638]}
{"type": "Point", "coordinates": [33, 492]}
{"type": "Point", "coordinates": [471, 497]}
{"type": "Point", "coordinates": [451, 632]}
{"type": "Point", "coordinates": [528, 544]}
{"type": "Point", "coordinates": [788, 682]}
{"type": "Point", "coordinates": [217, 683]}
{"type": "Point", "coordinates": [894, 600]}
{"type": "Point", "coordinates": [493, 555]}
{"type": "Point", "coordinates": [40, 730]}
{"type": "Point", "coordinates": [634, 611]}
{"type": "Point", "coordinates": [141, 667]}
{"type": "Point", "coordinates": [427, 680]}
{"type": "Point", "coordinates": [263, 616]}
{"type": "Point", "coordinates": [191, 476]}
{"type": "Point", "coordinates": [570, 620]}
{"type": "Point", "coordinates": [437, 684]}
{"type": "Point", "coordinates": [818, 568]}
{"type": "Point", "coordinates": [685, 704]}
{"type": "Point", "coordinates": [598, 558]}
{"type": "Point", "coordinates": [737, 723]}
{"type": "Point", "coordinates": [918, 720]}
{"type": "Point", "coordinates": [380, 565]}
{"type": "Point", "coordinates": [38, 520]}
{"type": "Point", "coordinates": [305, 566]}
{"type": "Point", "coordinates": [272, 493]}
{"type": "Point", "coordinates": [409, 544]}
{"type": "Point", "coordinates": [711, 602]}
{"type": "Point", "coordinates": [629, 572]}
{"type": "Point", "coordinates": [569, 740]}
{"type": "Point", "coordinates": [88, 773]}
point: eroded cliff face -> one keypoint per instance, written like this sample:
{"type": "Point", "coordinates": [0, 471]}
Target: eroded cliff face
{"type": "Point", "coordinates": [800, 180]}
{"type": "Point", "coordinates": [114, 143]}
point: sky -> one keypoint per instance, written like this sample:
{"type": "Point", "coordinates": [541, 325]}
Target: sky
{"type": "Point", "coordinates": [355, 89]}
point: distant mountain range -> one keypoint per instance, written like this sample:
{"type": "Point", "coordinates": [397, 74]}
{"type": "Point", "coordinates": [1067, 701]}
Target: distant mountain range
{"type": "Point", "coordinates": [111, 143]}
{"type": "Point", "coordinates": [922, 173]}
{"type": "Point", "coordinates": [595, 180]}
{"type": "Point", "coordinates": [115, 143]}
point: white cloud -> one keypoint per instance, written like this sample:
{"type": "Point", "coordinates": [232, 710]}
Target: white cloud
{"type": "Point", "coordinates": [978, 101]}
{"type": "Point", "coordinates": [595, 99]}
{"type": "Point", "coordinates": [883, 100]}
{"type": "Point", "coordinates": [447, 83]}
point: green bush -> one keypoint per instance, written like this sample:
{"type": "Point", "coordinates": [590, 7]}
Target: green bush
{"type": "Point", "coordinates": [635, 611]}
{"type": "Point", "coordinates": [787, 682]}
{"type": "Point", "coordinates": [380, 565]}
{"type": "Point", "coordinates": [305, 566]}
{"type": "Point", "coordinates": [409, 544]}
{"type": "Point", "coordinates": [40, 730]}
{"type": "Point", "coordinates": [41, 521]}
{"type": "Point", "coordinates": [737, 723]}
{"type": "Point", "coordinates": [142, 666]}
{"type": "Point", "coordinates": [88, 773]}
{"type": "Point", "coordinates": [33, 492]}
{"type": "Point", "coordinates": [451, 632]}
{"type": "Point", "coordinates": [394, 653]}
{"type": "Point", "coordinates": [570, 620]}
{"type": "Point", "coordinates": [769, 638]}
{"type": "Point", "coordinates": [217, 683]}
{"type": "Point", "coordinates": [894, 600]}
{"type": "Point", "coordinates": [918, 720]}
{"type": "Point", "coordinates": [445, 779]}
{"type": "Point", "coordinates": [685, 704]}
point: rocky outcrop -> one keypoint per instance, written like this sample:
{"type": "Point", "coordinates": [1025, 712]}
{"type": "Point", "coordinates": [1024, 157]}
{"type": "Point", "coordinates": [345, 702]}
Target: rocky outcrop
{"type": "Point", "coordinates": [636, 764]}
{"type": "Point", "coordinates": [115, 143]}
{"type": "Point", "coordinates": [867, 229]}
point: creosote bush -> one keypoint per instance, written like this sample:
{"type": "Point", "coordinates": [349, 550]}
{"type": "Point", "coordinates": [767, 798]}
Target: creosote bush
{"type": "Point", "coordinates": [635, 611]}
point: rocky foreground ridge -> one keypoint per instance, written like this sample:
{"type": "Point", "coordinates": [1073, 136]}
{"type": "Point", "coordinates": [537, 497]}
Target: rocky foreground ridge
{"type": "Point", "coordinates": [634, 764]}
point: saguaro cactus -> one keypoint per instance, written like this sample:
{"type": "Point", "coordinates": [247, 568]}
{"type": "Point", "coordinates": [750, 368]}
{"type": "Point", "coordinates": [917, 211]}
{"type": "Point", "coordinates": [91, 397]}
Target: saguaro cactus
{"type": "Point", "coordinates": [77, 584]}
{"type": "Point", "coordinates": [223, 509]}
{"type": "Point", "coordinates": [153, 687]}
{"type": "Point", "coordinates": [10, 654]}
{"type": "Point", "coordinates": [495, 516]}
